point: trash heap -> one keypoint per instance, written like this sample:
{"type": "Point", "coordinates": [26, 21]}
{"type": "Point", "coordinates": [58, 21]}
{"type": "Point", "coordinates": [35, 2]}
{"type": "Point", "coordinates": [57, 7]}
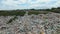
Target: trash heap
{"type": "Point", "coordinates": [30, 24]}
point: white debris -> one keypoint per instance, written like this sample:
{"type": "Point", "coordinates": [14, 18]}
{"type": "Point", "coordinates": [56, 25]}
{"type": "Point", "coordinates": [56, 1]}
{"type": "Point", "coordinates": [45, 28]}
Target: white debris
{"type": "Point", "coordinates": [30, 24]}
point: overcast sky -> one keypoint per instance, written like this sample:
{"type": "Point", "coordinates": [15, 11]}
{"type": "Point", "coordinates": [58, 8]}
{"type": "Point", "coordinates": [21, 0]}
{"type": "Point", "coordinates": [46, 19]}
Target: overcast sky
{"type": "Point", "coordinates": [28, 4]}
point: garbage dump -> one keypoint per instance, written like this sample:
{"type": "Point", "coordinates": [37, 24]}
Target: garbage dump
{"type": "Point", "coordinates": [31, 24]}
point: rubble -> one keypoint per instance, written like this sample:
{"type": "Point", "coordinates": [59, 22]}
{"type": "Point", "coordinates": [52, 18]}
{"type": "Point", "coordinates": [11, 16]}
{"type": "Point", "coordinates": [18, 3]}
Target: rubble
{"type": "Point", "coordinates": [31, 24]}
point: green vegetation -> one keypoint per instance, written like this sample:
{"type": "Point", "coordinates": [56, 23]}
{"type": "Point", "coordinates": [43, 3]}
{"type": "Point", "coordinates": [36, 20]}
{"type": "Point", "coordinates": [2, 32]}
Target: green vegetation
{"type": "Point", "coordinates": [30, 11]}
{"type": "Point", "coordinates": [11, 13]}
{"type": "Point", "coordinates": [38, 12]}
{"type": "Point", "coordinates": [21, 13]}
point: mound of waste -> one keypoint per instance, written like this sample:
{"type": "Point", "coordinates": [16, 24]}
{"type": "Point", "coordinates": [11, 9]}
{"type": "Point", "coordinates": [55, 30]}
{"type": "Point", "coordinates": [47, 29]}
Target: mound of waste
{"type": "Point", "coordinates": [31, 24]}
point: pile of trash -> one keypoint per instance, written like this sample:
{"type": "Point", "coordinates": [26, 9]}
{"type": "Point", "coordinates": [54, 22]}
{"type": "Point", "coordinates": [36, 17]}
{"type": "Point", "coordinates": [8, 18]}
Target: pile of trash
{"type": "Point", "coordinates": [30, 24]}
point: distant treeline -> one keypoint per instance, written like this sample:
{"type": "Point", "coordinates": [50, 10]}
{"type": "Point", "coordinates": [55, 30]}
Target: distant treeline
{"type": "Point", "coordinates": [30, 11]}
